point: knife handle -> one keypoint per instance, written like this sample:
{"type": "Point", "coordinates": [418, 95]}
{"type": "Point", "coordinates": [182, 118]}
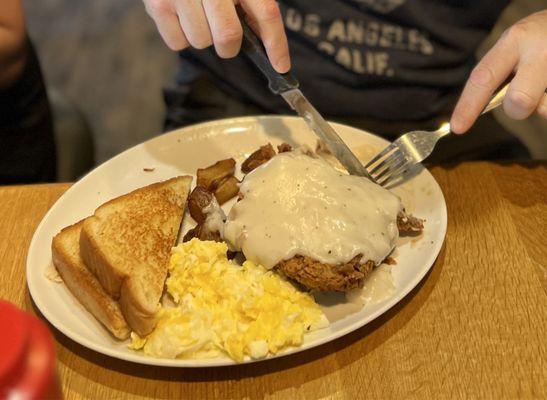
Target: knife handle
{"type": "Point", "coordinates": [252, 47]}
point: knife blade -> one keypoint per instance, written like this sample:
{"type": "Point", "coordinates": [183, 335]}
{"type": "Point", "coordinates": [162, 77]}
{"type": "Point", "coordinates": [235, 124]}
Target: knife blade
{"type": "Point", "coordinates": [325, 132]}
{"type": "Point", "coordinates": [287, 86]}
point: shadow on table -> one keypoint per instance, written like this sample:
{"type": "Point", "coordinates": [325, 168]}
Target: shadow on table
{"type": "Point", "coordinates": [317, 362]}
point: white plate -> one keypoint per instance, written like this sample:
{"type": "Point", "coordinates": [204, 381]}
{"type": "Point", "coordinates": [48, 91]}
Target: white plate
{"type": "Point", "coordinates": [182, 152]}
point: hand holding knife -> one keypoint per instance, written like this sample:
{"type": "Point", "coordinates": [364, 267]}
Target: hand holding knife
{"type": "Point", "coordinates": [287, 86]}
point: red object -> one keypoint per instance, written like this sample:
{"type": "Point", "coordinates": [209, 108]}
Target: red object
{"type": "Point", "coordinates": [27, 356]}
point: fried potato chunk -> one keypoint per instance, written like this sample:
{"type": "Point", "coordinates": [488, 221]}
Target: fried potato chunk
{"type": "Point", "coordinates": [200, 232]}
{"type": "Point", "coordinates": [210, 177]}
{"type": "Point", "coordinates": [284, 147]}
{"type": "Point", "coordinates": [227, 189]}
{"type": "Point", "coordinates": [258, 158]}
{"type": "Point", "coordinates": [197, 201]}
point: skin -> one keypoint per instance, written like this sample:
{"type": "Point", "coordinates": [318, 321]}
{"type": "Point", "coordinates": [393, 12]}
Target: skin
{"type": "Point", "coordinates": [12, 41]}
{"type": "Point", "coordinates": [521, 50]}
{"type": "Point", "coordinates": [202, 23]}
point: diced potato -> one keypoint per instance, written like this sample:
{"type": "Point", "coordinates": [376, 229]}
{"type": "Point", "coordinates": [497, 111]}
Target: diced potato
{"type": "Point", "coordinates": [211, 176]}
{"type": "Point", "coordinates": [258, 158]}
{"type": "Point", "coordinates": [202, 234]}
{"type": "Point", "coordinates": [208, 235]}
{"type": "Point", "coordinates": [192, 233]}
{"type": "Point", "coordinates": [227, 189]}
{"type": "Point", "coordinates": [197, 201]}
{"type": "Point", "coordinates": [284, 147]}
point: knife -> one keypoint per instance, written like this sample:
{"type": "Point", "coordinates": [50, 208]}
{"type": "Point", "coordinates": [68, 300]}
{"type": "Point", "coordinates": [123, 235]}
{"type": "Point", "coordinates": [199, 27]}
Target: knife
{"type": "Point", "coordinates": [286, 86]}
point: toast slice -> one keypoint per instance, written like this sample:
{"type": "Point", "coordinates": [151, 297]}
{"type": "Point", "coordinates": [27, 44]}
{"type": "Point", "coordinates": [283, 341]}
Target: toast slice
{"type": "Point", "coordinates": [83, 284]}
{"type": "Point", "coordinates": [127, 244]}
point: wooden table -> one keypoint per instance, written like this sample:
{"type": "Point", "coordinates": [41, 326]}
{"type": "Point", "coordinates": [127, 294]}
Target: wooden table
{"type": "Point", "coordinates": [474, 327]}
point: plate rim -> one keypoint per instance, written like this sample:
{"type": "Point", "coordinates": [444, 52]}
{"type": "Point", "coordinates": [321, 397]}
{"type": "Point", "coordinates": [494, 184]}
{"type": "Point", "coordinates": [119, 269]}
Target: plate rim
{"type": "Point", "coordinates": [219, 362]}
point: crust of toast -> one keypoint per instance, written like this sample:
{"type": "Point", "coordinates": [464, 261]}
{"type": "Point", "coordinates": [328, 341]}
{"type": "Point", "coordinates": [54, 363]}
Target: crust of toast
{"type": "Point", "coordinates": [83, 284]}
{"type": "Point", "coordinates": [127, 244]}
{"type": "Point", "coordinates": [139, 313]}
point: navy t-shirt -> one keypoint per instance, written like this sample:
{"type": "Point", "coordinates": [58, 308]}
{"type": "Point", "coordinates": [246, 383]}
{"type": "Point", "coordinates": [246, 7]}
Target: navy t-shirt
{"type": "Point", "coordinates": [385, 59]}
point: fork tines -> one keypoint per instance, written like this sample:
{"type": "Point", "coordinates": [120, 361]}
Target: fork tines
{"type": "Point", "coordinates": [387, 164]}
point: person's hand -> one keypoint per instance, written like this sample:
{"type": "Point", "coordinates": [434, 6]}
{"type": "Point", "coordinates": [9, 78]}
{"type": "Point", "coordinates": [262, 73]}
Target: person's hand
{"type": "Point", "coordinates": [202, 23]}
{"type": "Point", "coordinates": [521, 50]}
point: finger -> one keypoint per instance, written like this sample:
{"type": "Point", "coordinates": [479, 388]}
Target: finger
{"type": "Point", "coordinates": [225, 26]}
{"type": "Point", "coordinates": [526, 89]}
{"type": "Point", "coordinates": [168, 24]}
{"type": "Point", "coordinates": [194, 23]}
{"type": "Point", "coordinates": [266, 19]}
{"type": "Point", "coordinates": [542, 107]}
{"type": "Point", "coordinates": [485, 78]}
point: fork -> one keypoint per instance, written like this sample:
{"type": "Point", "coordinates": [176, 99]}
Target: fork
{"type": "Point", "coordinates": [413, 147]}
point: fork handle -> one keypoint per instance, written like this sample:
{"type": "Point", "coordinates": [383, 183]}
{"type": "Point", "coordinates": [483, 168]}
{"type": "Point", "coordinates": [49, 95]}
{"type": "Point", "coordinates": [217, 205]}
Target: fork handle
{"type": "Point", "coordinates": [496, 100]}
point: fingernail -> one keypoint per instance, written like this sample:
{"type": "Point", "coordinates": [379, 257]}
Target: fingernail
{"type": "Point", "coordinates": [283, 65]}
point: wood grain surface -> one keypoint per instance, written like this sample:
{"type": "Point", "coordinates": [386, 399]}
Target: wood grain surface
{"type": "Point", "coordinates": [475, 327]}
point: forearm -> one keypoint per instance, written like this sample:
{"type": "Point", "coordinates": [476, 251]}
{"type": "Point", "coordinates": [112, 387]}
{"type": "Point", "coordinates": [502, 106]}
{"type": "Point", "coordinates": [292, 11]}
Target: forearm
{"type": "Point", "coordinates": [12, 41]}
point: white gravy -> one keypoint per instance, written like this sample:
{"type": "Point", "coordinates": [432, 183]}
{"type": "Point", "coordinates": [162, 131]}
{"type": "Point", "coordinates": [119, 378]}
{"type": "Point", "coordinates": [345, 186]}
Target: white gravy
{"type": "Point", "coordinates": [214, 217]}
{"type": "Point", "coordinates": [299, 205]}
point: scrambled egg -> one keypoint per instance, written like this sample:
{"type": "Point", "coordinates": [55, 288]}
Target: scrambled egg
{"type": "Point", "coordinates": [224, 308]}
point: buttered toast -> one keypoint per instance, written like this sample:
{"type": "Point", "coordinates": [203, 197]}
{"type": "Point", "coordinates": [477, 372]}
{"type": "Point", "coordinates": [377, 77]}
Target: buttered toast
{"type": "Point", "coordinates": [83, 284]}
{"type": "Point", "coordinates": [127, 245]}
